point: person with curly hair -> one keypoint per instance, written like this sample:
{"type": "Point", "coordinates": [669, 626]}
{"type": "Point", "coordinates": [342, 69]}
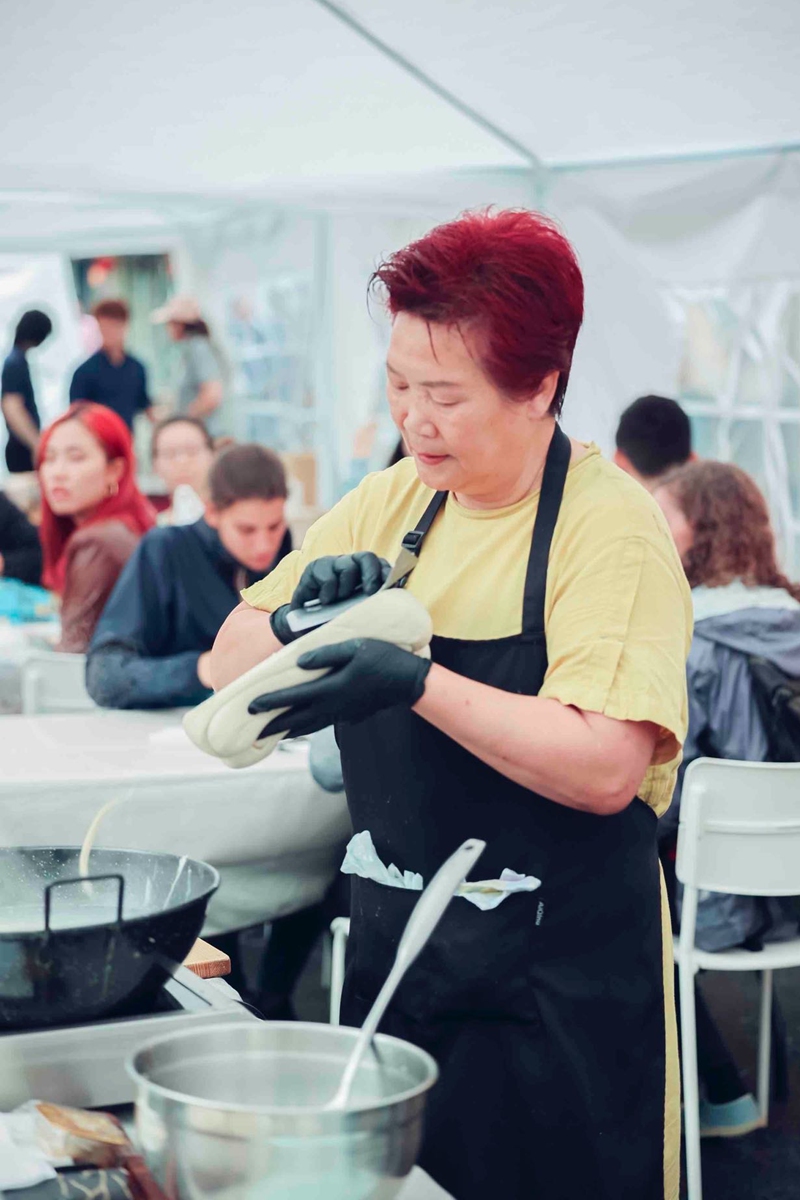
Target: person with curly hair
{"type": "Point", "coordinates": [744, 605]}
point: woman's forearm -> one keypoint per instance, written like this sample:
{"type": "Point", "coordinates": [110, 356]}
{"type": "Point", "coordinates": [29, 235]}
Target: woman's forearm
{"type": "Point", "coordinates": [207, 400]}
{"type": "Point", "coordinates": [579, 759]}
{"type": "Point", "coordinates": [19, 420]}
{"type": "Point", "coordinates": [246, 638]}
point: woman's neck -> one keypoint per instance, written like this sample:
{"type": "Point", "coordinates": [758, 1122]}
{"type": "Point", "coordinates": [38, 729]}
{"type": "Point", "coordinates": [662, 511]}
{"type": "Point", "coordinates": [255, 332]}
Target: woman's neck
{"type": "Point", "coordinates": [510, 489]}
{"type": "Point", "coordinates": [88, 514]}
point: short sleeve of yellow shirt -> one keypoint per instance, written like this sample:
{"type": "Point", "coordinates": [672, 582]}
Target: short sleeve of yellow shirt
{"type": "Point", "coordinates": [618, 617]}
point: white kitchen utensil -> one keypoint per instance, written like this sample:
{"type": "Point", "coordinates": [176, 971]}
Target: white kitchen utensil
{"type": "Point", "coordinates": [426, 915]}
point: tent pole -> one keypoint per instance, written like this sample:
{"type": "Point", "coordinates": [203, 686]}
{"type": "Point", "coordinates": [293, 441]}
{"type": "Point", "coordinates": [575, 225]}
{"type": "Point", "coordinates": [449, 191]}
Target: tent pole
{"type": "Point", "coordinates": [443, 93]}
{"type": "Point", "coordinates": [673, 159]}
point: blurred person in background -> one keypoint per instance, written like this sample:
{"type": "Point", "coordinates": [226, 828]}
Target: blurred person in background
{"type": "Point", "coordinates": [93, 514]}
{"type": "Point", "coordinates": [20, 551]}
{"type": "Point", "coordinates": [182, 454]}
{"type": "Point", "coordinates": [744, 607]}
{"type": "Point", "coordinates": [17, 399]}
{"type": "Point", "coordinates": [200, 387]}
{"type": "Point", "coordinates": [654, 436]}
{"type": "Point", "coordinates": [151, 647]}
{"type": "Point", "coordinates": [111, 376]}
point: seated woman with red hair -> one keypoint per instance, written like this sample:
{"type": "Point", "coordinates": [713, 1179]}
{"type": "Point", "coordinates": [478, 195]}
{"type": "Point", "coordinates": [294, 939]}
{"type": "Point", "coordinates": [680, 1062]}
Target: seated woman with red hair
{"type": "Point", "coordinates": [93, 514]}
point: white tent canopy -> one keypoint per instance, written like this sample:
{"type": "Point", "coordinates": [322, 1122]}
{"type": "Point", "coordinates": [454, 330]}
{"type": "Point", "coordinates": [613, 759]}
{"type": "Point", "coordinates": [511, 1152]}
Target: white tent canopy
{"type": "Point", "coordinates": [148, 119]}
{"type": "Point", "coordinates": [228, 99]}
{"type": "Point", "coordinates": [235, 136]}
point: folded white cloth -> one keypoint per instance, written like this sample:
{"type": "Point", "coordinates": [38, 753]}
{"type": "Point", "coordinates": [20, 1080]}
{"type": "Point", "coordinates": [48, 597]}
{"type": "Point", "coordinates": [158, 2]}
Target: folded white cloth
{"type": "Point", "coordinates": [361, 858]}
{"type": "Point", "coordinates": [222, 725]}
{"type": "Point", "coordinates": [23, 1163]}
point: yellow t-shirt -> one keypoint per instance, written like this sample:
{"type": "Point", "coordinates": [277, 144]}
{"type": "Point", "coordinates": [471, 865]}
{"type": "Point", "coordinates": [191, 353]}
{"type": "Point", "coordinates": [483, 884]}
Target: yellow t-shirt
{"type": "Point", "coordinates": [618, 615]}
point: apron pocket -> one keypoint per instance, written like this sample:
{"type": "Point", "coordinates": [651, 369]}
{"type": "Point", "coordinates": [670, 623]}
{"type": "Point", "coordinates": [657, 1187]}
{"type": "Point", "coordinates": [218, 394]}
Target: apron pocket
{"type": "Point", "coordinates": [474, 963]}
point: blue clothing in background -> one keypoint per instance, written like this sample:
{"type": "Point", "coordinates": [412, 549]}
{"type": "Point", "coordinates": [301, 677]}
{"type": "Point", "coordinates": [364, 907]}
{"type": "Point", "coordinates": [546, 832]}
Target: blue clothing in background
{"type": "Point", "coordinates": [173, 595]}
{"type": "Point", "coordinates": [122, 386]}
{"type": "Point", "coordinates": [724, 721]}
{"type": "Point", "coordinates": [16, 379]}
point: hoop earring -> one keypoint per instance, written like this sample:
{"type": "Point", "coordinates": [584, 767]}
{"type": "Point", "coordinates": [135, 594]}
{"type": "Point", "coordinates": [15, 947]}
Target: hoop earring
{"type": "Point", "coordinates": [113, 488]}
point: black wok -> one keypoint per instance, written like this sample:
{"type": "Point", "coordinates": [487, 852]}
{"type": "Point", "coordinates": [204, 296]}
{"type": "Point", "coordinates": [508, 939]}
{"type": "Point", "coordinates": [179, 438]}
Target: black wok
{"type": "Point", "coordinates": [76, 949]}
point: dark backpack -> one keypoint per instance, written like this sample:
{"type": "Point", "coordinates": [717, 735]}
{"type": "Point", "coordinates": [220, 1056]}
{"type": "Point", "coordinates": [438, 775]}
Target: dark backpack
{"type": "Point", "coordinates": [777, 696]}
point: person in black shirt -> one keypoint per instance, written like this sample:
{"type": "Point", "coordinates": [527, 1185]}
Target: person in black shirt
{"type": "Point", "coordinates": [16, 392]}
{"type": "Point", "coordinates": [152, 644]}
{"type": "Point", "coordinates": [112, 376]}
{"type": "Point", "coordinates": [654, 437]}
{"type": "Point", "coordinates": [20, 551]}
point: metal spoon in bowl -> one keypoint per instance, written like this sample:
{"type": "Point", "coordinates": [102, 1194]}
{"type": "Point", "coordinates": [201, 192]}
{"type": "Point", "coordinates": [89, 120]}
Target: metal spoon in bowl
{"type": "Point", "coordinates": [426, 915]}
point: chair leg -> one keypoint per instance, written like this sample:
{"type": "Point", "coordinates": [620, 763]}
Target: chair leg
{"type": "Point", "coordinates": [691, 1095]}
{"type": "Point", "coordinates": [764, 1044]}
{"type": "Point", "coordinates": [325, 965]}
{"type": "Point", "coordinates": [779, 1070]}
{"type": "Point", "coordinates": [340, 929]}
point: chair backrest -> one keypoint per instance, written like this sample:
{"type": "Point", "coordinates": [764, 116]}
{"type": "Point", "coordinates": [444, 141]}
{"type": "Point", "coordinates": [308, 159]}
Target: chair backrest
{"type": "Point", "coordinates": [53, 682]}
{"type": "Point", "coordinates": [740, 828]}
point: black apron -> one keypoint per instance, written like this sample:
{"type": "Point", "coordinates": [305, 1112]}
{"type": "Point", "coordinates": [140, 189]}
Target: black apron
{"type": "Point", "coordinates": [546, 1014]}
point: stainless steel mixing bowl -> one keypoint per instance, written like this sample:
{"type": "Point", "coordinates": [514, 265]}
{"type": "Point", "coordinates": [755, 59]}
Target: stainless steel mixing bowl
{"type": "Point", "coordinates": [236, 1112]}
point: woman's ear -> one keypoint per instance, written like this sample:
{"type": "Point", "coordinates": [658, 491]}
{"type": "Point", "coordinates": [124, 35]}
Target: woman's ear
{"type": "Point", "coordinates": [116, 469]}
{"type": "Point", "coordinates": [542, 399]}
{"type": "Point", "coordinates": [212, 516]}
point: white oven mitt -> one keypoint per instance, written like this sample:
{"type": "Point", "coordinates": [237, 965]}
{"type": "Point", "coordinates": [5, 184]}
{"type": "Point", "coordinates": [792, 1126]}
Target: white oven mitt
{"type": "Point", "coordinates": [222, 726]}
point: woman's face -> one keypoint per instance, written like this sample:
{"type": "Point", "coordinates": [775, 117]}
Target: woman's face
{"type": "Point", "coordinates": [681, 530]}
{"type": "Point", "coordinates": [182, 455]}
{"type": "Point", "coordinates": [250, 530]}
{"type": "Point", "coordinates": [75, 474]}
{"type": "Point", "coordinates": [465, 435]}
{"type": "Point", "coordinates": [175, 330]}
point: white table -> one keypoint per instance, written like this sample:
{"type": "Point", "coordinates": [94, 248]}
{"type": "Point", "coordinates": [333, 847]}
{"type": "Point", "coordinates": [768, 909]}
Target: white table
{"type": "Point", "coordinates": [276, 837]}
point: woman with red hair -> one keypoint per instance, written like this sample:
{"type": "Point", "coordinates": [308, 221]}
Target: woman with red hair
{"type": "Point", "coordinates": [547, 722]}
{"type": "Point", "coordinates": [93, 514]}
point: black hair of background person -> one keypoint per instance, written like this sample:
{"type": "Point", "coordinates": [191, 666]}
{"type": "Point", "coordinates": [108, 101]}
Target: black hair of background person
{"type": "Point", "coordinates": [655, 434]}
{"type": "Point", "coordinates": [32, 329]}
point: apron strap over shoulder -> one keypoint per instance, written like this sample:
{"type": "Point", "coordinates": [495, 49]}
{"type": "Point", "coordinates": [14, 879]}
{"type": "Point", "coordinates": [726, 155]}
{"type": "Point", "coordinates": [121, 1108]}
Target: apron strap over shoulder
{"type": "Point", "coordinates": [553, 480]}
{"type": "Point", "coordinates": [414, 538]}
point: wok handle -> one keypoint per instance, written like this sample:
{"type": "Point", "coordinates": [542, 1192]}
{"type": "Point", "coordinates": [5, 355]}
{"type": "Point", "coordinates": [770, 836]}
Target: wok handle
{"type": "Point", "coordinates": [81, 879]}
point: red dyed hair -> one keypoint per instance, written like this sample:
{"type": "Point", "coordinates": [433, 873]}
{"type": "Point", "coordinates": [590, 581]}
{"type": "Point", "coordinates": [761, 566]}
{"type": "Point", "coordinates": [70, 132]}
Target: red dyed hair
{"type": "Point", "coordinates": [511, 279]}
{"type": "Point", "coordinates": [128, 505]}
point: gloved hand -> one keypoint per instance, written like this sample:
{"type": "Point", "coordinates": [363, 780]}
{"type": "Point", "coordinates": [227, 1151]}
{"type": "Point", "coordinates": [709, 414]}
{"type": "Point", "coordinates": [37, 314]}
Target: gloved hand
{"type": "Point", "coordinates": [330, 579]}
{"type": "Point", "coordinates": [366, 675]}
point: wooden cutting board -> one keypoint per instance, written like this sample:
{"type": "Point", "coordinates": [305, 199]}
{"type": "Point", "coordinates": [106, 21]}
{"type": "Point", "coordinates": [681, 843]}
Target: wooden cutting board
{"type": "Point", "coordinates": [206, 961]}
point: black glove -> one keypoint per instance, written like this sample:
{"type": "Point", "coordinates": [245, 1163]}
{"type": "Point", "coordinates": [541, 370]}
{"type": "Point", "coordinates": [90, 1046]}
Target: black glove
{"type": "Point", "coordinates": [366, 675]}
{"type": "Point", "coordinates": [330, 579]}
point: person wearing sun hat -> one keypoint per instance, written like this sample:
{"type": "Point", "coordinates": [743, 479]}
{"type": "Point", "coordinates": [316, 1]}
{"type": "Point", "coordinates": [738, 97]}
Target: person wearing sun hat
{"type": "Point", "coordinates": [200, 386]}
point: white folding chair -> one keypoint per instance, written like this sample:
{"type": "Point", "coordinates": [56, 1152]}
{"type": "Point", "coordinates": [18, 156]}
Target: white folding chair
{"type": "Point", "coordinates": [739, 833]}
{"type": "Point", "coordinates": [53, 682]}
{"type": "Point", "coordinates": [340, 928]}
